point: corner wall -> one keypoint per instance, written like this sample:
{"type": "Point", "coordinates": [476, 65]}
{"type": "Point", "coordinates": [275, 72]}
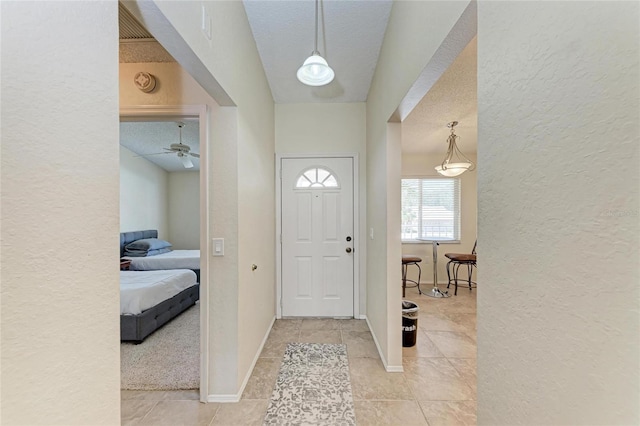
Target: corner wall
{"type": "Point", "coordinates": [59, 214]}
{"type": "Point", "coordinates": [414, 33]}
{"type": "Point", "coordinates": [144, 198]}
{"type": "Point", "coordinates": [559, 203]}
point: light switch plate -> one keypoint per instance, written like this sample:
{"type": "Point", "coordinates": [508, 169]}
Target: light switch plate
{"type": "Point", "coordinates": [217, 246]}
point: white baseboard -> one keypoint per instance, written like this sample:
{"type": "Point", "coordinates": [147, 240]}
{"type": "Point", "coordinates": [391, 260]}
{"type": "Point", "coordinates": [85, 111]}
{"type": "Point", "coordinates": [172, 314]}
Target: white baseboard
{"type": "Point", "coordinates": [236, 397]}
{"type": "Point", "coordinates": [388, 368]}
{"type": "Point", "coordinates": [363, 317]}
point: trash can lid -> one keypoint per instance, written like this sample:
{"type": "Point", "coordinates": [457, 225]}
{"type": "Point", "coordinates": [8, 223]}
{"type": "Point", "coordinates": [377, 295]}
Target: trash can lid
{"type": "Point", "coordinates": [409, 306]}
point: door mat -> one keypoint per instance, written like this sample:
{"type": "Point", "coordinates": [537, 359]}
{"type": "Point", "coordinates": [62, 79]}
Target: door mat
{"type": "Point", "coordinates": [313, 387]}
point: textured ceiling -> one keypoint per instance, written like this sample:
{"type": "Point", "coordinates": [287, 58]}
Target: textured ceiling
{"type": "Point", "coordinates": [454, 97]}
{"type": "Point", "coordinates": [146, 138]}
{"type": "Point", "coordinates": [350, 36]}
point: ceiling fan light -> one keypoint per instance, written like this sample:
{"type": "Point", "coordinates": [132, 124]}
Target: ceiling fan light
{"type": "Point", "coordinates": [453, 169]}
{"type": "Point", "coordinates": [315, 71]}
{"type": "Point", "coordinates": [186, 162]}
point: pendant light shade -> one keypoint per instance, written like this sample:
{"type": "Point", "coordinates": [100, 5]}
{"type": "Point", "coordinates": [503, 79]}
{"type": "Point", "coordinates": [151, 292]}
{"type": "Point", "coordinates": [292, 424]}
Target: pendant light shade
{"type": "Point", "coordinates": [315, 71]}
{"type": "Point", "coordinates": [455, 162]}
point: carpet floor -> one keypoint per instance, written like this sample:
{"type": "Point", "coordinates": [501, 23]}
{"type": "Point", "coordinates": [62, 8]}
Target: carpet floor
{"type": "Point", "coordinates": [168, 359]}
{"type": "Point", "coordinates": [313, 387]}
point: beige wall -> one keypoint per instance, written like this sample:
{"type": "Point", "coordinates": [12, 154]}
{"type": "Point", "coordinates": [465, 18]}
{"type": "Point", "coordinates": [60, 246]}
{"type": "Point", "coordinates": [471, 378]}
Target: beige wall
{"type": "Point", "coordinates": [242, 195]}
{"type": "Point", "coordinates": [184, 210]}
{"type": "Point", "coordinates": [414, 33]}
{"type": "Point", "coordinates": [59, 308]}
{"type": "Point", "coordinates": [558, 192]}
{"type": "Point", "coordinates": [144, 197]}
{"type": "Point", "coordinates": [422, 166]}
{"type": "Point", "coordinates": [329, 129]}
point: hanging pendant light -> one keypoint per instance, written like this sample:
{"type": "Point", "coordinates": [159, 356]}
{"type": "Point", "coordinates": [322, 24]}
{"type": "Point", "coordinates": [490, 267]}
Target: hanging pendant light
{"type": "Point", "coordinates": [315, 71]}
{"type": "Point", "coordinates": [454, 166]}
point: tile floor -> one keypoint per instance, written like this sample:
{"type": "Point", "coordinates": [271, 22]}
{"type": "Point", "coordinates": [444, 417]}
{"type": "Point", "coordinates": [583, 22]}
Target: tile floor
{"type": "Point", "coordinates": [438, 386]}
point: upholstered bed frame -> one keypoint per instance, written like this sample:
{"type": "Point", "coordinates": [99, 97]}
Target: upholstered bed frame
{"type": "Point", "coordinates": [136, 328]}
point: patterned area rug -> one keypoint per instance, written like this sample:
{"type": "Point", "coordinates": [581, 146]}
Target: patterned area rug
{"type": "Point", "coordinates": [313, 387]}
{"type": "Point", "coordinates": [169, 359]}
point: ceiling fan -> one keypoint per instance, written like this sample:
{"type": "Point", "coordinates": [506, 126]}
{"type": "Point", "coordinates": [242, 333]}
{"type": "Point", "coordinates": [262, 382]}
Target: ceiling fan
{"type": "Point", "coordinates": [183, 151]}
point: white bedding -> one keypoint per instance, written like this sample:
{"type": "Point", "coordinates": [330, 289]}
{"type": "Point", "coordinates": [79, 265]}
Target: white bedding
{"type": "Point", "coordinates": [141, 290]}
{"type": "Point", "coordinates": [176, 259]}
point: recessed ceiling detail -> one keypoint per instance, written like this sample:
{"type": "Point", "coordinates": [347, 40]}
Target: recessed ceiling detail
{"type": "Point", "coordinates": [350, 37]}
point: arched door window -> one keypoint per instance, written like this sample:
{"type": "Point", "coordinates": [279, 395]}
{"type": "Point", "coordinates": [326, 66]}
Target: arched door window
{"type": "Point", "coordinates": [316, 177]}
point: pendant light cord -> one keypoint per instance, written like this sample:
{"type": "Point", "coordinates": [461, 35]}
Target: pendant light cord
{"type": "Point", "coordinates": [315, 50]}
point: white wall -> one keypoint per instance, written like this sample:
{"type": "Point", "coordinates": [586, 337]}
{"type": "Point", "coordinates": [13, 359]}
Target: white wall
{"type": "Point", "coordinates": [414, 33]}
{"type": "Point", "coordinates": [558, 191]}
{"type": "Point", "coordinates": [329, 129]}
{"type": "Point", "coordinates": [422, 166]}
{"type": "Point", "coordinates": [144, 196]}
{"type": "Point", "coordinates": [242, 195]}
{"type": "Point", "coordinates": [60, 299]}
{"type": "Point", "coordinates": [184, 210]}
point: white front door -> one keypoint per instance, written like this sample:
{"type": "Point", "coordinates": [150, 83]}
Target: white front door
{"type": "Point", "coordinates": [317, 237]}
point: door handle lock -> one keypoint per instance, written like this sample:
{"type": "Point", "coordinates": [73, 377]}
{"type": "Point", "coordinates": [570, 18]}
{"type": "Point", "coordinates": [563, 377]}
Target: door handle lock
{"type": "Point", "coordinates": [348, 238]}
{"type": "Point", "coordinates": [348, 249]}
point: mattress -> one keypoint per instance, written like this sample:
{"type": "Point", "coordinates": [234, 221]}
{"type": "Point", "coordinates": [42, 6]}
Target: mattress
{"type": "Point", "coordinates": [141, 290]}
{"type": "Point", "coordinates": [176, 259]}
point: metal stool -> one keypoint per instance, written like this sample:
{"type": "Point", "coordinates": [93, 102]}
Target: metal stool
{"type": "Point", "coordinates": [406, 261]}
{"type": "Point", "coordinates": [458, 259]}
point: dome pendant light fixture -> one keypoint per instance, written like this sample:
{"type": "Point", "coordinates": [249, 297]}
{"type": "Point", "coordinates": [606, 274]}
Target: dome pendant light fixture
{"type": "Point", "coordinates": [315, 71]}
{"type": "Point", "coordinates": [454, 166]}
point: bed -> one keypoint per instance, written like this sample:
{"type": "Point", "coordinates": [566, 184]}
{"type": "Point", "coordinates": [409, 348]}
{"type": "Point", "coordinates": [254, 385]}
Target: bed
{"type": "Point", "coordinates": [174, 259]}
{"type": "Point", "coordinates": [150, 299]}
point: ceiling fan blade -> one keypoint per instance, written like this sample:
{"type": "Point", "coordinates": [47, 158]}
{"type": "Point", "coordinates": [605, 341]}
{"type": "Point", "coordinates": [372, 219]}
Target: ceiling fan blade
{"type": "Point", "coordinates": [193, 154]}
{"type": "Point", "coordinates": [186, 162]}
{"type": "Point", "coordinates": [148, 155]}
{"type": "Point", "coordinates": [168, 149]}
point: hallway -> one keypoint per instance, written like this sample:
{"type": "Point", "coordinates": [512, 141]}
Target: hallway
{"type": "Point", "coordinates": [438, 386]}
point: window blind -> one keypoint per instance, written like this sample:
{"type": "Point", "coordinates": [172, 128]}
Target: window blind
{"type": "Point", "coordinates": [431, 209]}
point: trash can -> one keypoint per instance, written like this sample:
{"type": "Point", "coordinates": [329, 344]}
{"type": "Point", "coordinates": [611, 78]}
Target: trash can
{"type": "Point", "coordinates": [409, 323]}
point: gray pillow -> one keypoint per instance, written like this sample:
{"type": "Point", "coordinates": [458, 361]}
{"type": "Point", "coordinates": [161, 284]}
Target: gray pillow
{"type": "Point", "coordinates": [148, 244]}
{"type": "Point", "coordinates": [158, 251]}
{"type": "Point", "coordinates": [146, 247]}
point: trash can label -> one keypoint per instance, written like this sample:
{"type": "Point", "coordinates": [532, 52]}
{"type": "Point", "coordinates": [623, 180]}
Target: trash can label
{"type": "Point", "coordinates": [410, 328]}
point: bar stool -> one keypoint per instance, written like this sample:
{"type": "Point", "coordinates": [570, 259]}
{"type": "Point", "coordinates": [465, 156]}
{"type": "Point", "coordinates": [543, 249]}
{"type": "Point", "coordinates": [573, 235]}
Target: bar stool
{"type": "Point", "coordinates": [458, 259]}
{"type": "Point", "coordinates": [406, 261]}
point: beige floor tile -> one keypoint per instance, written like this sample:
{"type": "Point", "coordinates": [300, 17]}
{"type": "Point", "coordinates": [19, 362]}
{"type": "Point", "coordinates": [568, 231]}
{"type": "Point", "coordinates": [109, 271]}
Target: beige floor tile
{"type": "Point", "coordinates": [320, 324]}
{"type": "Point", "coordinates": [452, 344]}
{"type": "Point", "coordinates": [438, 322]}
{"type": "Point", "coordinates": [424, 347]}
{"type": "Point", "coordinates": [369, 380]}
{"type": "Point", "coordinates": [262, 379]}
{"type": "Point", "coordinates": [180, 413]}
{"type": "Point", "coordinates": [247, 412]}
{"type": "Point", "coordinates": [134, 410]}
{"type": "Point", "coordinates": [360, 344]}
{"type": "Point", "coordinates": [435, 379]}
{"type": "Point", "coordinates": [467, 368]}
{"type": "Point", "coordinates": [320, 336]}
{"type": "Point", "coordinates": [354, 325]}
{"type": "Point", "coordinates": [287, 324]}
{"type": "Point", "coordinates": [277, 342]}
{"type": "Point", "coordinates": [376, 413]}
{"type": "Point", "coordinates": [450, 413]}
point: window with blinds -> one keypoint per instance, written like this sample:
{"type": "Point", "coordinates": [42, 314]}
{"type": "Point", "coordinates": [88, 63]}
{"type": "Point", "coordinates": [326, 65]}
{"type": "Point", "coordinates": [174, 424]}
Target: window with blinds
{"type": "Point", "coordinates": [431, 209]}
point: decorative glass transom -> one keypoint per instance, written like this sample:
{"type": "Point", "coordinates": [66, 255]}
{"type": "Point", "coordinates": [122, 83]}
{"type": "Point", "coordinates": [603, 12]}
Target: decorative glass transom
{"type": "Point", "coordinates": [317, 177]}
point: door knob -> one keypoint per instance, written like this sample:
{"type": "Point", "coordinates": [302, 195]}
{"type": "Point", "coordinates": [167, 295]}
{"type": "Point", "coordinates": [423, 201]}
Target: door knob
{"type": "Point", "coordinates": [348, 249]}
